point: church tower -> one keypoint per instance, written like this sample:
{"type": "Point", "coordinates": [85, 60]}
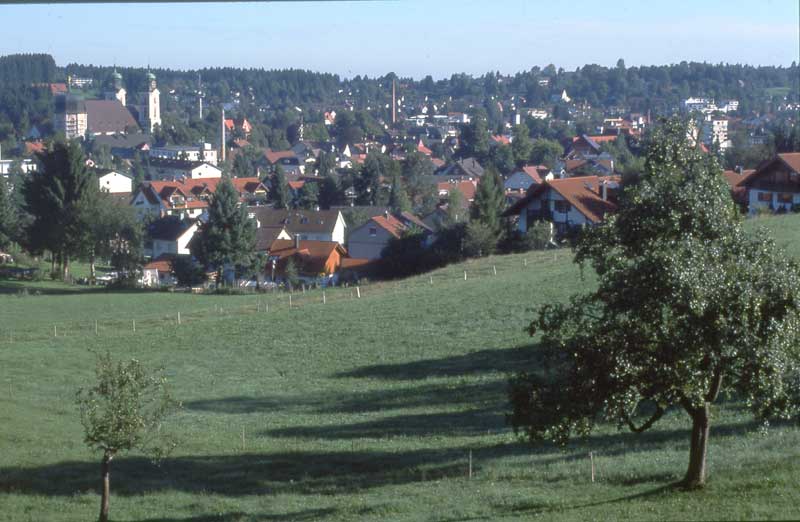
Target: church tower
{"type": "Point", "coordinates": [153, 107]}
{"type": "Point", "coordinates": [114, 88]}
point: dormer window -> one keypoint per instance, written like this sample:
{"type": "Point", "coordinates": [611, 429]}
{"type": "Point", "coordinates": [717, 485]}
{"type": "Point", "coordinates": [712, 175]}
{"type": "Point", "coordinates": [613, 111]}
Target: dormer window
{"type": "Point", "coordinates": [303, 220]}
{"type": "Point", "coordinates": [373, 231]}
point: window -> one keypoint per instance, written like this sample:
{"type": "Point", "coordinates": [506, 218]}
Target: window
{"type": "Point", "coordinates": [373, 231]}
{"type": "Point", "coordinates": [765, 196]}
{"type": "Point", "coordinates": [562, 206]}
{"type": "Point", "coordinates": [785, 197]}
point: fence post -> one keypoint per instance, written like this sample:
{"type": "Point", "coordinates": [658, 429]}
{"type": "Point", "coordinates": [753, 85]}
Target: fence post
{"type": "Point", "coordinates": [591, 458]}
{"type": "Point", "coordinates": [431, 279]}
{"type": "Point", "coordinates": [134, 325]}
{"type": "Point", "coordinates": [290, 300]}
{"type": "Point", "coordinates": [95, 326]}
{"type": "Point", "coordinates": [494, 269]}
{"type": "Point", "coordinates": [358, 292]}
{"type": "Point", "coordinates": [470, 463]}
{"type": "Point", "coordinates": [179, 318]}
{"type": "Point", "coordinates": [323, 297]}
{"type": "Point", "coordinates": [55, 331]}
{"type": "Point", "coordinates": [465, 275]}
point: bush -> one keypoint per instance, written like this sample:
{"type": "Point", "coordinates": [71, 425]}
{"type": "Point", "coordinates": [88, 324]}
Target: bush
{"type": "Point", "coordinates": [479, 240]}
{"type": "Point", "coordinates": [538, 236]}
{"type": "Point", "coordinates": [187, 272]}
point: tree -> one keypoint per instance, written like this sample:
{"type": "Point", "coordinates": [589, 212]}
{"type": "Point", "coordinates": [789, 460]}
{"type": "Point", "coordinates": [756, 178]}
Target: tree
{"type": "Point", "coordinates": [329, 192]}
{"type": "Point", "coordinates": [475, 138]}
{"type": "Point", "coordinates": [521, 145]}
{"type": "Point", "coordinates": [546, 152]}
{"type": "Point", "coordinates": [137, 170]}
{"type": "Point", "coordinates": [280, 195]}
{"type": "Point", "coordinates": [228, 238]}
{"type": "Point", "coordinates": [308, 197]}
{"type": "Point", "coordinates": [480, 240]}
{"type": "Point", "coordinates": [124, 410]}
{"type": "Point", "coordinates": [114, 234]}
{"type": "Point", "coordinates": [456, 211]}
{"type": "Point", "coordinates": [687, 308]}
{"type": "Point", "coordinates": [398, 197]}
{"type": "Point", "coordinates": [60, 197]}
{"type": "Point", "coordinates": [8, 216]}
{"type": "Point", "coordinates": [502, 158]}
{"type": "Point", "coordinates": [489, 198]}
{"type": "Point", "coordinates": [290, 273]}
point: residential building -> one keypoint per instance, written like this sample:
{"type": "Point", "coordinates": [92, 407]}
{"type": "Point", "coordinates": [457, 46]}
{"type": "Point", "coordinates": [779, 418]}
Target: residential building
{"type": "Point", "coordinates": [169, 235]}
{"type": "Point", "coordinates": [308, 225]}
{"type": "Point", "coordinates": [203, 152]}
{"type": "Point", "coordinates": [114, 182]}
{"type": "Point", "coordinates": [523, 178]}
{"type": "Point", "coordinates": [775, 185]}
{"type": "Point", "coordinates": [369, 240]}
{"type": "Point", "coordinates": [316, 262]}
{"type": "Point", "coordinates": [567, 203]}
{"type": "Point", "coordinates": [188, 197]}
{"type": "Point", "coordinates": [174, 169]}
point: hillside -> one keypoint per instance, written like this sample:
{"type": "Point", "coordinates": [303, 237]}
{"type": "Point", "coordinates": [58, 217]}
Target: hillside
{"type": "Point", "coordinates": [356, 409]}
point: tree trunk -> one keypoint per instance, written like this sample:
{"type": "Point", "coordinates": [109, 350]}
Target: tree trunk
{"type": "Point", "coordinates": [92, 270]}
{"type": "Point", "coordinates": [65, 267]}
{"type": "Point", "coordinates": [104, 473]}
{"type": "Point", "coordinates": [696, 474]}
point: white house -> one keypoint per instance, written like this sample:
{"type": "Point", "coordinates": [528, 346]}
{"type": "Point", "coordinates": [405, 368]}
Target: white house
{"type": "Point", "coordinates": [567, 203]}
{"type": "Point", "coordinates": [114, 182]}
{"type": "Point", "coordinates": [26, 165]}
{"type": "Point", "coordinates": [203, 152]}
{"type": "Point", "coordinates": [173, 169]}
{"type": "Point", "coordinates": [169, 235]}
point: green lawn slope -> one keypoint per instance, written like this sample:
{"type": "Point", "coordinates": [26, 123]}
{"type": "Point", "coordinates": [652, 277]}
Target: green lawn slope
{"type": "Point", "coordinates": [356, 409]}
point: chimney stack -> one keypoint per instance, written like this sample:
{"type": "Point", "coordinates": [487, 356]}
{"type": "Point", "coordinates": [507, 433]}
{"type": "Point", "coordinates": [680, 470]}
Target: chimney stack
{"type": "Point", "coordinates": [297, 241]}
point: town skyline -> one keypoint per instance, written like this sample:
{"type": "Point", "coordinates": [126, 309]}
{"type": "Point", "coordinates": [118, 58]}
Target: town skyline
{"type": "Point", "coordinates": [350, 38]}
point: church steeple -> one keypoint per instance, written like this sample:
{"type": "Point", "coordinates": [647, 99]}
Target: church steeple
{"type": "Point", "coordinates": [114, 88]}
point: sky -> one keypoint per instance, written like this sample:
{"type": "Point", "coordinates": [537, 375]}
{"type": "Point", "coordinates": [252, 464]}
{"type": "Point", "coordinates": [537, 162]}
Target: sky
{"type": "Point", "coordinates": [412, 38]}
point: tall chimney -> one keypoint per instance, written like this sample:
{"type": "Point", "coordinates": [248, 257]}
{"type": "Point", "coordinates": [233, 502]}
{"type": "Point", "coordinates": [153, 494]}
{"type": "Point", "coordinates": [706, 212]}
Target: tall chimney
{"type": "Point", "coordinates": [394, 103]}
{"type": "Point", "coordinates": [297, 241]}
{"type": "Point", "coordinates": [223, 134]}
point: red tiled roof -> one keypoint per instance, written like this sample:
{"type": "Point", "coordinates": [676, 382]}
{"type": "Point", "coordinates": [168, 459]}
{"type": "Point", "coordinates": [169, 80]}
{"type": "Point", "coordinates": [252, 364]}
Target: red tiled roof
{"type": "Point", "coordinates": [792, 160]}
{"type": "Point", "coordinates": [423, 149]}
{"type": "Point", "coordinates": [312, 255]}
{"type": "Point", "coordinates": [467, 188]}
{"type": "Point", "coordinates": [582, 192]}
{"type": "Point", "coordinates": [273, 156]}
{"type": "Point", "coordinates": [34, 147]}
{"type": "Point", "coordinates": [162, 263]}
{"type": "Point", "coordinates": [503, 140]}
{"type": "Point", "coordinates": [58, 88]}
{"type": "Point", "coordinates": [735, 179]}
{"type": "Point", "coordinates": [390, 223]}
{"type": "Point", "coordinates": [601, 138]}
{"type": "Point", "coordinates": [296, 185]}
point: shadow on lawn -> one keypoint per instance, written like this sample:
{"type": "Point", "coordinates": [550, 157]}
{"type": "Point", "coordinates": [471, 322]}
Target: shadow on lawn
{"type": "Point", "coordinates": [504, 360]}
{"type": "Point", "coordinates": [400, 397]}
{"type": "Point", "coordinates": [306, 514]}
{"type": "Point", "coordinates": [289, 472]}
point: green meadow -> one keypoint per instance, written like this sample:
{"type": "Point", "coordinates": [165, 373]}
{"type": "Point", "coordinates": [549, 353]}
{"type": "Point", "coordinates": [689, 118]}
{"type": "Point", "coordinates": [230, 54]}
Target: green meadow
{"type": "Point", "coordinates": [370, 408]}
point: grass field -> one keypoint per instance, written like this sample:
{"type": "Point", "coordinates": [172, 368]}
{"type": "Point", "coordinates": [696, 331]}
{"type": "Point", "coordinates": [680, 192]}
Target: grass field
{"type": "Point", "coordinates": [357, 409]}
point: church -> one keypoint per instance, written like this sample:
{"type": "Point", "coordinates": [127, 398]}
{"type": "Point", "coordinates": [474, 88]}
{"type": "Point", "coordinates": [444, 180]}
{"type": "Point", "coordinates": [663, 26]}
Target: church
{"type": "Point", "coordinates": [116, 113]}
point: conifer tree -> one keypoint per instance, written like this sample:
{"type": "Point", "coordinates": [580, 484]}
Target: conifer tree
{"type": "Point", "coordinates": [281, 196]}
{"type": "Point", "coordinates": [489, 197]}
{"type": "Point", "coordinates": [227, 240]}
{"type": "Point", "coordinates": [398, 198]}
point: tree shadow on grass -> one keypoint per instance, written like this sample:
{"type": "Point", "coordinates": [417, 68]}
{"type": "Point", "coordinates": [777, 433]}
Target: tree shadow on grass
{"type": "Point", "coordinates": [288, 472]}
{"type": "Point", "coordinates": [503, 360]}
{"type": "Point", "coordinates": [401, 397]}
{"type": "Point", "coordinates": [306, 514]}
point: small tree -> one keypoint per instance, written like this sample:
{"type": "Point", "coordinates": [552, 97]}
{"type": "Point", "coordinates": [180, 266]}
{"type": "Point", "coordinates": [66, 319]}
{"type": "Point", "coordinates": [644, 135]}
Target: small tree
{"type": "Point", "coordinates": [279, 193]}
{"type": "Point", "coordinates": [687, 308]}
{"type": "Point", "coordinates": [480, 240]}
{"type": "Point", "coordinates": [124, 411]}
{"type": "Point", "coordinates": [308, 198]}
{"type": "Point", "coordinates": [8, 216]}
{"type": "Point", "coordinates": [290, 273]}
{"type": "Point", "coordinates": [538, 236]}
{"type": "Point", "coordinates": [521, 145]}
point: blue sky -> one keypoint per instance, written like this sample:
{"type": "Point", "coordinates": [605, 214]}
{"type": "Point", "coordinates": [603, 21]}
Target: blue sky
{"type": "Point", "coordinates": [409, 37]}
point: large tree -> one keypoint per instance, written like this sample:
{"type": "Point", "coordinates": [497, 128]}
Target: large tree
{"type": "Point", "coordinates": [688, 307]}
{"type": "Point", "coordinates": [8, 216]}
{"type": "Point", "coordinates": [124, 410]}
{"type": "Point", "coordinates": [60, 197]}
{"type": "Point", "coordinates": [279, 191]}
{"type": "Point", "coordinates": [521, 145]}
{"type": "Point", "coordinates": [227, 239]}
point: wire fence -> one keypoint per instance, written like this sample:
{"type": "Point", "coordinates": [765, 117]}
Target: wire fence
{"type": "Point", "coordinates": [261, 303]}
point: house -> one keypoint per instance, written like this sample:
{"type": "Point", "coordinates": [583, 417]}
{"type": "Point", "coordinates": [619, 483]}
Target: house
{"type": "Point", "coordinates": [108, 117]}
{"type": "Point", "coordinates": [266, 235]}
{"type": "Point", "coordinates": [309, 225]}
{"type": "Point", "coordinates": [202, 152]}
{"type": "Point", "coordinates": [582, 147]}
{"type": "Point", "coordinates": [158, 272]}
{"type": "Point", "coordinates": [369, 240]}
{"type": "Point", "coordinates": [315, 261]}
{"type": "Point", "coordinates": [238, 125]}
{"type": "Point", "coordinates": [467, 168]}
{"type": "Point", "coordinates": [26, 165]}
{"type": "Point", "coordinates": [523, 178]}
{"type": "Point", "coordinates": [124, 146]}
{"type": "Point", "coordinates": [169, 235]}
{"type": "Point", "coordinates": [567, 203]}
{"type": "Point", "coordinates": [736, 179]}
{"type": "Point", "coordinates": [113, 181]}
{"type": "Point", "coordinates": [467, 189]}
{"type": "Point", "coordinates": [188, 197]}
{"type": "Point", "coordinates": [775, 185]}
{"type": "Point", "coordinates": [172, 169]}
{"type": "Point", "coordinates": [287, 159]}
